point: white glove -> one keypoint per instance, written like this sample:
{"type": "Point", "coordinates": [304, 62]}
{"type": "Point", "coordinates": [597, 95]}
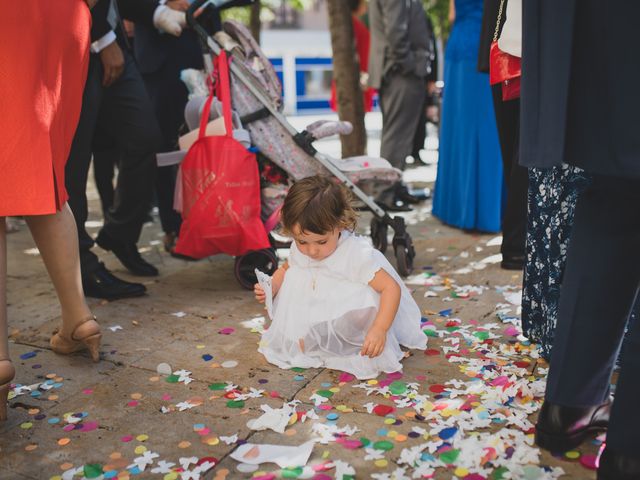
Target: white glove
{"type": "Point", "coordinates": [169, 21]}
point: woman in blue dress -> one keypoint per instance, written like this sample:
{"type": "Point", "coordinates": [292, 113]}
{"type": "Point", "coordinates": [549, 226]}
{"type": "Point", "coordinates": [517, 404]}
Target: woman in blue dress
{"type": "Point", "coordinates": [469, 185]}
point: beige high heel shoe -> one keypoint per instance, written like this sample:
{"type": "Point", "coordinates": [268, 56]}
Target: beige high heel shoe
{"type": "Point", "coordinates": [7, 372]}
{"type": "Point", "coordinates": [90, 339]}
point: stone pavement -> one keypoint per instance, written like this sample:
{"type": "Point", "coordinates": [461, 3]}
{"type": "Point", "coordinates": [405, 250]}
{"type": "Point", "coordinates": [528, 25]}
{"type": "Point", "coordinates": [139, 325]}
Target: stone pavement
{"type": "Point", "coordinates": [462, 406]}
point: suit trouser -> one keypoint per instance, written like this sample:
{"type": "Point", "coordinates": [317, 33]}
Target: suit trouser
{"type": "Point", "coordinates": [401, 99]}
{"type": "Point", "coordinates": [121, 112]}
{"type": "Point", "coordinates": [600, 284]}
{"type": "Point", "coordinates": [514, 218]}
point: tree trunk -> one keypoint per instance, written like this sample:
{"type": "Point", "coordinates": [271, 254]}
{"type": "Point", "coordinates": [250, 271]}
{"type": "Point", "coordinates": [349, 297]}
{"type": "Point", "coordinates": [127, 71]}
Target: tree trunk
{"type": "Point", "coordinates": [346, 73]}
{"type": "Point", "coordinates": [254, 21]}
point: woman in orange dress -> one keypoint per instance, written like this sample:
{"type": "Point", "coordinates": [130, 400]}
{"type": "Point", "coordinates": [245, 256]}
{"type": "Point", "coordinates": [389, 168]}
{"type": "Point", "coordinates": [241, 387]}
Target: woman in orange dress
{"type": "Point", "coordinates": [44, 54]}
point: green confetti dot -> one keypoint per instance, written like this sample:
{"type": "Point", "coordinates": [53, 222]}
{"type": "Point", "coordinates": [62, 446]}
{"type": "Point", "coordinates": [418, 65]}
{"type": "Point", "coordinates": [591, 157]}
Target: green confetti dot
{"type": "Point", "coordinates": [481, 335]}
{"type": "Point", "coordinates": [454, 329]}
{"type": "Point", "coordinates": [325, 393]}
{"type": "Point", "coordinates": [498, 473]}
{"type": "Point", "coordinates": [93, 470]}
{"type": "Point", "coordinates": [298, 369]}
{"type": "Point", "coordinates": [365, 441]}
{"type": "Point", "coordinates": [398, 388]}
{"type": "Point", "coordinates": [450, 456]}
{"type": "Point", "coordinates": [217, 386]}
{"type": "Point", "coordinates": [172, 379]}
{"type": "Point", "coordinates": [235, 403]}
{"type": "Point", "coordinates": [383, 445]}
{"type": "Point", "coordinates": [291, 472]}
{"type": "Point", "coordinates": [430, 333]}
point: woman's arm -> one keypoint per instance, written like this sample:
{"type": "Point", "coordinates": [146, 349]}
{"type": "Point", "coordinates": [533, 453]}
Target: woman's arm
{"type": "Point", "coordinates": [452, 11]}
{"type": "Point", "coordinates": [390, 292]}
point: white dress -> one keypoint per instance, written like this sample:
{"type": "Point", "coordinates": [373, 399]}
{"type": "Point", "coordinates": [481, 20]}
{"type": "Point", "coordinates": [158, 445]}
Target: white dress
{"type": "Point", "coordinates": [330, 306]}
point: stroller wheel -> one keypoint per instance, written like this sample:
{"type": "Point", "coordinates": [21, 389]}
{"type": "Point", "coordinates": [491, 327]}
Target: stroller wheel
{"type": "Point", "coordinates": [405, 253]}
{"type": "Point", "coordinates": [264, 260]}
{"type": "Point", "coordinates": [379, 234]}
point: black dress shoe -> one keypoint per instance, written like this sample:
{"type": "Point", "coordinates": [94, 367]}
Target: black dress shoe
{"type": "Point", "coordinates": [615, 466]}
{"type": "Point", "coordinates": [513, 262]}
{"type": "Point", "coordinates": [560, 429]}
{"type": "Point", "coordinates": [413, 197]}
{"type": "Point", "coordinates": [128, 255]}
{"type": "Point", "coordinates": [101, 283]}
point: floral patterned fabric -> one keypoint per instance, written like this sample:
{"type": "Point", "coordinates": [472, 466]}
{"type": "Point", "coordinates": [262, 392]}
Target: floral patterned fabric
{"type": "Point", "coordinates": [553, 194]}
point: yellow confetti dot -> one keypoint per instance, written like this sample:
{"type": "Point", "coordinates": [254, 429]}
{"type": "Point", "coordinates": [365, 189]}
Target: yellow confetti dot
{"type": "Point", "coordinates": [258, 474]}
{"type": "Point", "coordinates": [58, 379]}
{"type": "Point", "coordinates": [26, 425]}
{"type": "Point", "coordinates": [401, 438]}
{"type": "Point", "coordinates": [123, 476]}
{"type": "Point", "coordinates": [64, 441]}
{"type": "Point", "coordinates": [31, 447]}
{"type": "Point", "coordinates": [334, 389]}
{"type": "Point", "coordinates": [136, 396]}
{"type": "Point", "coordinates": [115, 456]}
{"type": "Point", "coordinates": [51, 375]}
{"type": "Point", "coordinates": [389, 421]}
{"type": "Point", "coordinates": [372, 382]}
{"type": "Point", "coordinates": [66, 466]}
{"type": "Point", "coordinates": [140, 449]}
{"type": "Point", "coordinates": [212, 441]}
{"type": "Point", "coordinates": [171, 476]}
{"type": "Point", "coordinates": [293, 419]}
{"type": "Point", "coordinates": [56, 477]}
{"type": "Point", "coordinates": [392, 434]}
{"type": "Point", "coordinates": [184, 444]}
{"type": "Point", "coordinates": [326, 454]}
{"type": "Point", "coordinates": [142, 438]}
{"type": "Point", "coordinates": [200, 347]}
{"type": "Point", "coordinates": [572, 455]}
{"type": "Point", "coordinates": [341, 408]}
{"type": "Point", "coordinates": [461, 472]}
{"type": "Point", "coordinates": [381, 463]}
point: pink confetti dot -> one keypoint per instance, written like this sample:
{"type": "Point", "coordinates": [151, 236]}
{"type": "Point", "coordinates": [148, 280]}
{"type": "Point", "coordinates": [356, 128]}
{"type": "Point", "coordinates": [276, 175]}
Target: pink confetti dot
{"type": "Point", "coordinates": [226, 331]}
{"type": "Point", "coordinates": [132, 403]}
{"type": "Point", "coordinates": [166, 397]}
{"type": "Point", "coordinates": [126, 438]}
{"type": "Point", "coordinates": [69, 428]}
{"type": "Point", "coordinates": [89, 426]}
{"type": "Point", "coordinates": [590, 461]}
{"type": "Point", "coordinates": [325, 407]}
{"type": "Point", "coordinates": [87, 391]}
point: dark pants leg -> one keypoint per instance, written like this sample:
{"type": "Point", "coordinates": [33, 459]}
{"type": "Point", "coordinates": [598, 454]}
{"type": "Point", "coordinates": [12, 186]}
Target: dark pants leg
{"type": "Point", "coordinates": [104, 166]}
{"type": "Point", "coordinates": [127, 116]}
{"type": "Point", "coordinates": [600, 284]}
{"type": "Point", "coordinates": [514, 219]}
{"type": "Point", "coordinates": [77, 168]}
{"type": "Point", "coordinates": [401, 99]}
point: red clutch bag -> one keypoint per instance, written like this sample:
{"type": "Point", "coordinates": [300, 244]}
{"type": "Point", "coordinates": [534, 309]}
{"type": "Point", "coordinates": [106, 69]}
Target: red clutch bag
{"type": "Point", "coordinates": [503, 67]}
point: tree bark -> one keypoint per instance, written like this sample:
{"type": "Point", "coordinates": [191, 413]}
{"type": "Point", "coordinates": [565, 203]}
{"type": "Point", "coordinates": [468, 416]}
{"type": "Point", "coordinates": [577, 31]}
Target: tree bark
{"type": "Point", "coordinates": [346, 73]}
{"type": "Point", "coordinates": [255, 25]}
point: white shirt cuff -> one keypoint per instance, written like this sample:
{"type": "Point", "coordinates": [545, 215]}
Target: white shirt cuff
{"type": "Point", "coordinates": [159, 9]}
{"type": "Point", "coordinates": [103, 42]}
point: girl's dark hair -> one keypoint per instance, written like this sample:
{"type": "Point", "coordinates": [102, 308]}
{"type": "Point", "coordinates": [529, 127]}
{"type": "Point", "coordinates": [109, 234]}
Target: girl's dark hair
{"type": "Point", "coordinates": [354, 5]}
{"type": "Point", "coordinates": [318, 205]}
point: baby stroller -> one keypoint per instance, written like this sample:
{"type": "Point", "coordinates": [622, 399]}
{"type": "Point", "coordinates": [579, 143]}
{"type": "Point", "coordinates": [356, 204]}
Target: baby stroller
{"type": "Point", "coordinates": [257, 99]}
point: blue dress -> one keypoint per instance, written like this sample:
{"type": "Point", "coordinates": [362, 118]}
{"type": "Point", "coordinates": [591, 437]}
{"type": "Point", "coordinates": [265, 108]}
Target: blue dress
{"type": "Point", "coordinates": [469, 185]}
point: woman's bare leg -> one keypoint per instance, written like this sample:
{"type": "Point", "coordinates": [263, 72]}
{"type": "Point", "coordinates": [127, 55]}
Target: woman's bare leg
{"type": "Point", "coordinates": [57, 239]}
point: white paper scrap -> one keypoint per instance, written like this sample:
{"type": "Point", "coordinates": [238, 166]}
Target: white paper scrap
{"type": "Point", "coordinates": [281, 455]}
{"type": "Point", "coordinates": [265, 282]}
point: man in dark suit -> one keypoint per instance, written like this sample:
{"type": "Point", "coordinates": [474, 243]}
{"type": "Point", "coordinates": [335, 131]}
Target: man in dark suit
{"type": "Point", "coordinates": [565, 67]}
{"type": "Point", "coordinates": [399, 62]}
{"type": "Point", "coordinates": [161, 57]}
{"type": "Point", "coordinates": [514, 218]}
{"type": "Point", "coordinates": [115, 105]}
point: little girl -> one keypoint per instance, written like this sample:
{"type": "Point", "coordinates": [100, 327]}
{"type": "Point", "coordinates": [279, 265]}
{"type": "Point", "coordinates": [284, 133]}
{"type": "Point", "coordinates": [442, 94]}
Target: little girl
{"type": "Point", "coordinates": [338, 303]}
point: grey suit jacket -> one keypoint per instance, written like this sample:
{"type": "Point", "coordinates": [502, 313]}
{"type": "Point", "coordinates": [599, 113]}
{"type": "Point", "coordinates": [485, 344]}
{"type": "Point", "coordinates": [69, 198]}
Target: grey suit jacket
{"type": "Point", "coordinates": [400, 39]}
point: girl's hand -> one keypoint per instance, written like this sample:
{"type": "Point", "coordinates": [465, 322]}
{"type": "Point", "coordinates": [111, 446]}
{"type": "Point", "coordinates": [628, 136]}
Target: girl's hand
{"type": "Point", "coordinates": [259, 293]}
{"type": "Point", "coordinates": [374, 342]}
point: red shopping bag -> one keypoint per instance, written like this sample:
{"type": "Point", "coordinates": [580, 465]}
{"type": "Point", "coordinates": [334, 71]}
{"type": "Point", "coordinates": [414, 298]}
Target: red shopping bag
{"type": "Point", "coordinates": [221, 188]}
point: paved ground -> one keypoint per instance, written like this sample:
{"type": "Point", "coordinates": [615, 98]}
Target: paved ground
{"type": "Point", "coordinates": [463, 404]}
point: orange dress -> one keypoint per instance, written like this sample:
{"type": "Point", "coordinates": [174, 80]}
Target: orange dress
{"type": "Point", "coordinates": [44, 55]}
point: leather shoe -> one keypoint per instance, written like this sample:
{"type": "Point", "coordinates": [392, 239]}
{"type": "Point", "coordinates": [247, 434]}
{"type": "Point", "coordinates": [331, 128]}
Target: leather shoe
{"type": "Point", "coordinates": [128, 255]}
{"type": "Point", "coordinates": [560, 429]}
{"type": "Point", "coordinates": [101, 283]}
{"type": "Point", "coordinates": [615, 466]}
{"type": "Point", "coordinates": [512, 262]}
{"type": "Point", "coordinates": [414, 196]}
{"type": "Point", "coordinates": [394, 206]}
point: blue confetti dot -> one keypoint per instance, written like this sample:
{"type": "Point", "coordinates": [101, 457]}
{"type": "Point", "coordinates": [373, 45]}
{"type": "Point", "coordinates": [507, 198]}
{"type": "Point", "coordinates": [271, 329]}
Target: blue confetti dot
{"type": "Point", "coordinates": [332, 416]}
{"type": "Point", "coordinates": [54, 420]}
{"type": "Point", "coordinates": [298, 378]}
{"type": "Point", "coordinates": [207, 358]}
{"type": "Point", "coordinates": [135, 471]}
{"type": "Point", "coordinates": [35, 394]}
{"type": "Point", "coordinates": [326, 385]}
{"type": "Point", "coordinates": [111, 474]}
{"type": "Point", "coordinates": [28, 355]}
{"type": "Point", "coordinates": [447, 433]}
{"type": "Point", "coordinates": [445, 313]}
{"type": "Point", "coordinates": [426, 457]}
{"type": "Point", "coordinates": [198, 426]}
{"type": "Point", "coordinates": [382, 432]}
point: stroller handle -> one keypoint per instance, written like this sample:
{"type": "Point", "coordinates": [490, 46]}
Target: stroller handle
{"type": "Point", "coordinates": [193, 22]}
